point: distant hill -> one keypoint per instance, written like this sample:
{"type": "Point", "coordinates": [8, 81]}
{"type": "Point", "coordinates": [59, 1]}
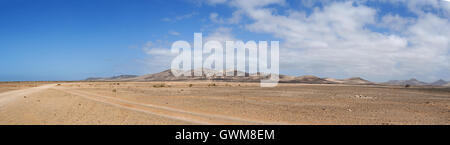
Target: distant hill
{"type": "Point", "coordinates": [413, 82]}
{"type": "Point", "coordinates": [120, 77]}
{"type": "Point", "coordinates": [354, 81]}
{"type": "Point", "coordinates": [440, 82]}
{"type": "Point", "coordinates": [168, 76]}
{"type": "Point", "coordinates": [308, 79]}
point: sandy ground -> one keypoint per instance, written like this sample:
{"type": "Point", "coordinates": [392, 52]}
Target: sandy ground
{"type": "Point", "coordinates": [219, 103]}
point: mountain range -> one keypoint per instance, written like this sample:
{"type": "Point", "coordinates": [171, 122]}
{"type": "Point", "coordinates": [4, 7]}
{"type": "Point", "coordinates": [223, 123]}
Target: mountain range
{"type": "Point", "coordinates": [415, 82]}
{"type": "Point", "coordinates": [111, 78]}
{"type": "Point", "coordinates": [167, 75]}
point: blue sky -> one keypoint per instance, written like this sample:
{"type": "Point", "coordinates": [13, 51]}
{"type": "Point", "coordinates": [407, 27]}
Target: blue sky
{"type": "Point", "coordinates": [73, 40]}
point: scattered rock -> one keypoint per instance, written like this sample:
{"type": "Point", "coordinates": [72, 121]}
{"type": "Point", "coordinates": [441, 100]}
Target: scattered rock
{"type": "Point", "coordinates": [363, 97]}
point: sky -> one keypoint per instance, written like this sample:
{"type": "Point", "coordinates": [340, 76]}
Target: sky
{"type": "Point", "coordinates": [379, 40]}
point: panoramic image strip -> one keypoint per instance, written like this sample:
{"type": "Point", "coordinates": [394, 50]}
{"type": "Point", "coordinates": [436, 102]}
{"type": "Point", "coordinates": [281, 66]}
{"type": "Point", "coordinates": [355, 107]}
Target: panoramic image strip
{"type": "Point", "coordinates": [225, 62]}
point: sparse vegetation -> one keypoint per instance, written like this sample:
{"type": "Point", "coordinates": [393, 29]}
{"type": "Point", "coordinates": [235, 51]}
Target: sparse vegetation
{"type": "Point", "coordinates": [212, 85]}
{"type": "Point", "coordinates": [190, 85]}
{"type": "Point", "coordinates": [162, 85]}
{"type": "Point", "coordinates": [407, 86]}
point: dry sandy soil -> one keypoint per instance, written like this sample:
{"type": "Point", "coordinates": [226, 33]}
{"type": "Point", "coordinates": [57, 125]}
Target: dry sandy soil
{"type": "Point", "coordinates": [219, 103]}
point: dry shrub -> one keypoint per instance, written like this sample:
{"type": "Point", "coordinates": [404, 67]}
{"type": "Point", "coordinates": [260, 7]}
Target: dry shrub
{"type": "Point", "coordinates": [162, 85]}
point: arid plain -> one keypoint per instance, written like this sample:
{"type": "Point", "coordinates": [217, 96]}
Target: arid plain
{"type": "Point", "coordinates": [205, 102]}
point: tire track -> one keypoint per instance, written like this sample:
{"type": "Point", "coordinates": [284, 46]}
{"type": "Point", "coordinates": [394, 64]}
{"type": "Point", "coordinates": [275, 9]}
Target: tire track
{"type": "Point", "coordinates": [6, 97]}
{"type": "Point", "coordinates": [163, 111]}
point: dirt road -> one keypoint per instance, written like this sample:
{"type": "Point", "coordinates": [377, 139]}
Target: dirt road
{"type": "Point", "coordinates": [156, 110]}
{"type": "Point", "coordinates": [5, 97]}
{"type": "Point", "coordinates": [167, 112]}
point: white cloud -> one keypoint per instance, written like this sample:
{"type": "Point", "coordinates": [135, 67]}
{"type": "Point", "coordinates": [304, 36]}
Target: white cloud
{"type": "Point", "coordinates": [220, 34]}
{"type": "Point", "coordinates": [159, 48]}
{"type": "Point", "coordinates": [214, 2]}
{"type": "Point", "coordinates": [234, 19]}
{"type": "Point", "coordinates": [166, 19]}
{"type": "Point", "coordinates": [395, 22]}
{"type": "Point", "coordinates": [159, 56]}
{"type": "Point", "coordinates": [421, 6]}
{"type": "Point", "coordinates": [174, 33]}
{"type": "Point", "coordinates": [180, 17]}
{"type": "Point", "coordinates": [335, 40]}
{"type": "Point", "coordinates": [214, 17]}
{"type": "Point", "coordinates": [159, 51]}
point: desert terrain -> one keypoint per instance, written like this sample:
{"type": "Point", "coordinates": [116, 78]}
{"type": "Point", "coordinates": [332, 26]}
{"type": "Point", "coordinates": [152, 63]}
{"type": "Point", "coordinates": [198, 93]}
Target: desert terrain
{"type": "Point", "coordinates": [207, 102]}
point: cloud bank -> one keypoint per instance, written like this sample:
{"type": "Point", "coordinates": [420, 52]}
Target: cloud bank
{"type": "Point", "coordinates": [339, 39]}
{"type": "Point", "coordinates": [346, 38]}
